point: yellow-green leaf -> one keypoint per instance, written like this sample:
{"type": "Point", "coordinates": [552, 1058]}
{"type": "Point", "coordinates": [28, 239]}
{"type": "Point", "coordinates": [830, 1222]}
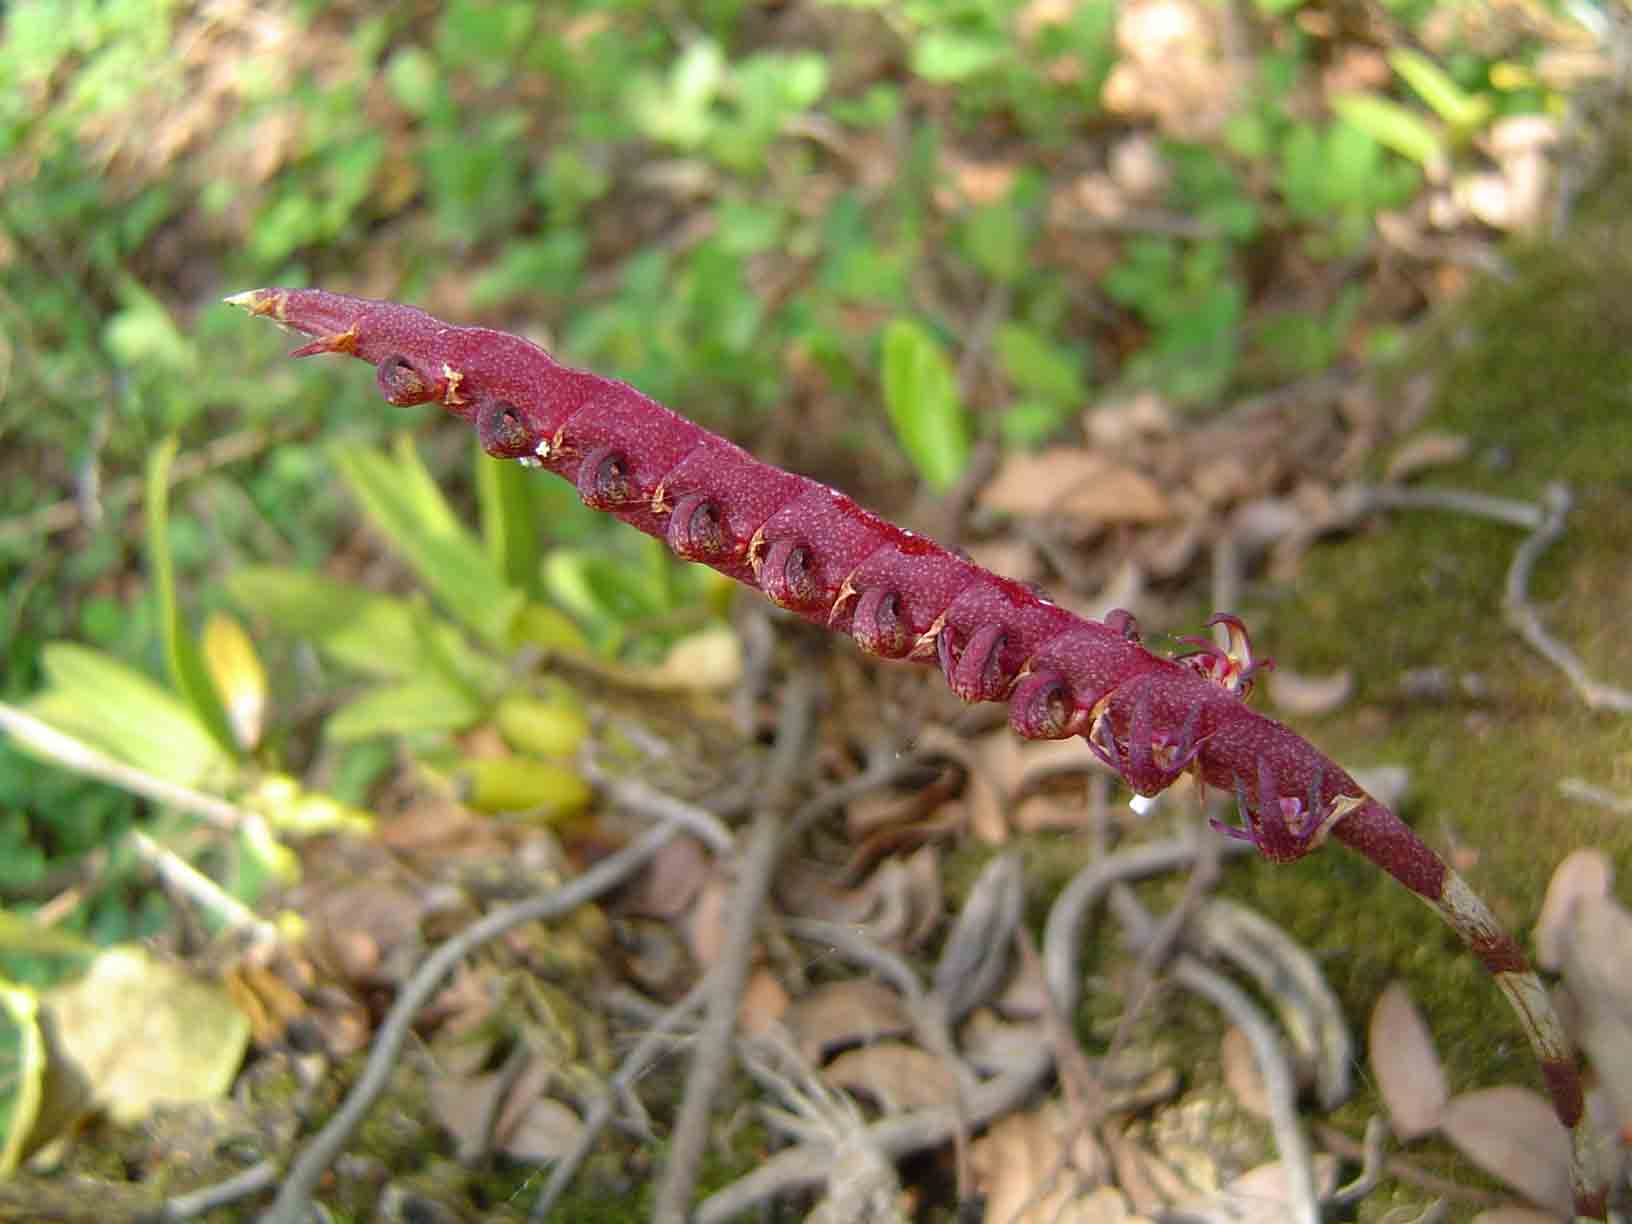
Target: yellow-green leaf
{"type": "Point", "coordinates": [22, 1073]}
{"type": "Point", "coordinates": [1455, 105]}
{"type": "Point", "coordinates": [509, 527]}
{"type": "Point", "coordinates": [230, 657]}
{"type": "Point", "coordinates": [401, 500]}
{"type": "Point", "coordinates": [543, 728]}
{"type": "Point", "coordinates": [421, 704]}
{"type": "Point", "coordinates": [542, 789]}
{"type": "Point", "coordinates": [1392, 126]}
{"type": "Point", "coordinates": [96, 698]}
{"type": "Point", "coordinates": [921, 395]}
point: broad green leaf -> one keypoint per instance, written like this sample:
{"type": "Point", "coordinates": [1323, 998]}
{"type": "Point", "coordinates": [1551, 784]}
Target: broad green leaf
{"type": "Point", "coordinates": [921, 395]}
{"type": "Point", "coordinates": [402, 501]}
{"type": "Point", "coordinates": [1434, 86]}
{"type": "Point", "coordinates": [543, 728]}
{"type": "Point", "coordinates": [540, 625]}
{"type": "Point", "coordinates": [425, 703]}
{"type": "Point", "coordinates": [100, 700]}
{"type": "Point", "coordinates": [996, 239]}
{"type": "Point", "coordinates": [22, 1073]}
{"type": "Point", "coordinates": [1036, 364]}
{"type": "Point", "coordinates": [509, 526]}
{"type": "Point", "coordinates": [947, 55]}
{"type": "Point", "coordinates": [181, 653]}
{"type": "Point", "coordinates": [543, 789]}
{"type": "Point", "coordinates": [377, 635]}
{"type": "Point", "coordinates": [358, 628]}
{"type": "Point", "coordinates": [1392, 126]}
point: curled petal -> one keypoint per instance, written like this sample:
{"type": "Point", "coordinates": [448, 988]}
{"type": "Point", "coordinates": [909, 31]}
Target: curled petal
{"type": "Point", "coordinates": [877, 625]}
{"type": "Point", "coordinates": [978, 673]}
{"type": "Point", "coordinates": [787, 577]}
{"type": "Point", "coordinates": [603, 479]}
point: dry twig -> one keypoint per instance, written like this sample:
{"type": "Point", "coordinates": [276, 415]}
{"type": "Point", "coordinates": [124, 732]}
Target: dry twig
{"type": "Point", "coordinates": [713, 1055]}
{"type": "Point", "coordinates": [293, 1204]}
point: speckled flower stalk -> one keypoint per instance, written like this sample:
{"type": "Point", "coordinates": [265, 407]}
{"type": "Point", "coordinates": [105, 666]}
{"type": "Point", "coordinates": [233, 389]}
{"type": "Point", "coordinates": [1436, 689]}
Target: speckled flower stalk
{"type": "Point", "coordinates": [810, 549]}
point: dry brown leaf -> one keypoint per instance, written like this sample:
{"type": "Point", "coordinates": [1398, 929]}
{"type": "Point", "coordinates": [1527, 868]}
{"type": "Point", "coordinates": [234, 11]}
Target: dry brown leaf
{"type": "Point", "coordinates": [845, 1013]}
{"type": "Point", "coordinates": [764, 1002]}
{"type": "Point", "coordinates": [1023, 1167]}
{"type": "Point", "coordinates": [705, 925]}
{"type": "Point", "coordinates": [1242, 1075]}
{"type": "Point", "coordinates": [670, 881]}
{"type": "Point", "coordinates": [1514, 1215]}
{"type": "Point", "coordinates": [1072, 483]}
{"type": "Point", "coordinates": [1262, 1196]}
{"type": "Point", "coordinates": [1119, 423]}
{"type": "Point", "coordinates": [993, 1046]}
{"type": "Point", "coordinates": [1594, 964]}
{"type": "Point", "coordinates": [1584, 875]}
{"type": "Point", "coordinates": [1150, 1183]}
{"type": "Point", "coordinates": [1410, 1078]}
{"type": "Point", "coordinates": [1305, 696]}
{"type": "Point", "coordinates": [463, 1103]}
{"type": "Point", "coordinates": [899, 1077]}
{"type": "Point", "coordinates": [547, 1131]}
{"type": "Point", "coordinates": [1424, 451]}
{"type": "Point", "coordinates": [1512, 1134]}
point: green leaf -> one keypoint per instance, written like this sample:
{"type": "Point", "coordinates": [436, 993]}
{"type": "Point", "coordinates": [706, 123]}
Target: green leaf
{"type": "Point", "coordinates": [1434, 86]}
{"type": "Point", "coordinates": [997, 241]}
{"type": "Point", "coordinates": [425, 703]}
{"type": "Point", "coordinates": [1035, 364]}
{"type": "Point", "coordinates": [185, 661]}
{"type": "Point", "coordinates": [509, 527]}
{"type": "Point", "coordinates": [402, 501]}
{"type": "Point", "coordinates": [23, 1065]}
{"type": "Point", "coordinates": [100, 700]}
{"type": "Point", "coordinates": [948, 55]}
{"type": "Point", "coordinates": [1392, 126]}
{"type": "Point", "coordinates": [374, 634]}
{"type": "Point", "coordinates": [921, 395]}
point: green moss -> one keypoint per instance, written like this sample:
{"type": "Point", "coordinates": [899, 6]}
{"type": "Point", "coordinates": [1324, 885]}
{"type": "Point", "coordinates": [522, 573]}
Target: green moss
{"type": "Point", "coordinates": [1536, 372]}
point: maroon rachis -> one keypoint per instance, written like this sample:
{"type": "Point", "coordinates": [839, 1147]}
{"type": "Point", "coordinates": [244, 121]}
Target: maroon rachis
{"type": "Point", "coordinates": [815, 552]}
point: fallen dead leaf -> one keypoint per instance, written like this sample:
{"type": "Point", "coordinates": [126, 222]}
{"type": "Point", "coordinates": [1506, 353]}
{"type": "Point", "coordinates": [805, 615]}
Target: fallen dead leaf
{"type": "Point", "coordinates": [1512, 1134]}
{"type": "Point", "coordinates": [993, 1046]}
{"type": "Point", "coordinates": [838, 1014]}
{"type": "Point", "coordinates": [1594, 963]}
{"type": "Point", "coordinates": [1305, 696]}
{"type": "Point", "coordinates": [1262, 1195]}
{"type": "Point", "coordinates": [1424, 451]}
{"type": "Point", "coordinates": [1072, 483]}
{"type": "Point", "coordinates": [1029, 1176]}
{"type": "Point", "coordinates": [548, 1131]}
{"type": "Point", "coordinates": [1514, 1215]}
{"type": "Point", "coordinates": [142, 1031]}
{"type": "Point", "coordinates": [670, 882]}
{"type": "Point", "coordinates": [1241, 1073]}
{"type": "Point", "coordinates": [1410, 1077]}
{"type": "Point", "coordinates": [705, 925]}
{"type": "Point", "coordinates": [764, 1001]}
{"type": "Point", "coordinates": [899, 1077]}
{"type": "Point", "coordinates": [1584, 875]}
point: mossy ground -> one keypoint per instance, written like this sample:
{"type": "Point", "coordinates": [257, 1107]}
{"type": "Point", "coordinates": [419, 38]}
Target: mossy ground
{"type": "Point", "coordinates": [1537, 373]}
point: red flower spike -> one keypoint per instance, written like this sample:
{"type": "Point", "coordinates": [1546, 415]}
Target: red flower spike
{"type": "Point", "coordinates": [901, 595]}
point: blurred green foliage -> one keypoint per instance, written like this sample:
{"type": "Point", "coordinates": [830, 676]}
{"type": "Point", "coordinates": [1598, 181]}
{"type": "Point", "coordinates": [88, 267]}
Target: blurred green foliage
{"type": "Point", "coordinates": [858, 206]}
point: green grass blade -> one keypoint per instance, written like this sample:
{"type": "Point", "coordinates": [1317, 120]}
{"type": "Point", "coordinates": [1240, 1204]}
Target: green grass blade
{"type": "Point", "coordinates": [181, 651]}
{"type": "Point", "coordinates": [509, 526]}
